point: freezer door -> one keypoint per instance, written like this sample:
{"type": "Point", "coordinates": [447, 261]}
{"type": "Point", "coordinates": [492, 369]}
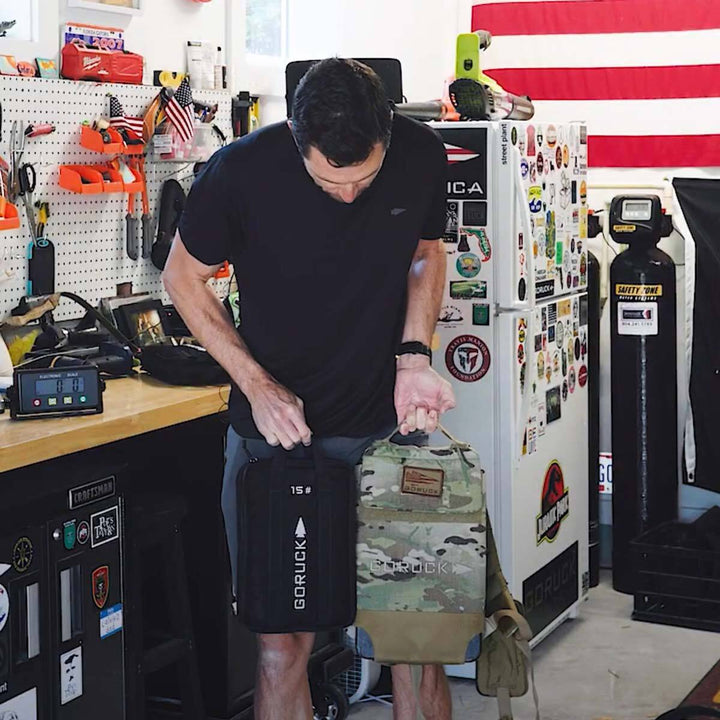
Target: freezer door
{"type": "Point", "coordinates": [552, 162]}
{"type": "Point", "coordinates": [544, 458]}
{"type": "Point", "coordinates": [464, 343]}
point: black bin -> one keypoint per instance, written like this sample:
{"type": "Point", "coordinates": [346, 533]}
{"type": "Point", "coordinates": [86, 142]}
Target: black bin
{"type": "Point", "coordinates": [678, 578]}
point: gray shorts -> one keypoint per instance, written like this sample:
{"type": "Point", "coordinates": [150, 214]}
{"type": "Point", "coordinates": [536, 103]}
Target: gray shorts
{"type": "Point", "coordinates": [239, 451]}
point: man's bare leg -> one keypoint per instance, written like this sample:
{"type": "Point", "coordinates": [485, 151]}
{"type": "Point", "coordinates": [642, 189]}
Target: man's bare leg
{"type": "Point", "coordinates": [282, 691]}
{"type": "Point", "coordinates": [435, 700]}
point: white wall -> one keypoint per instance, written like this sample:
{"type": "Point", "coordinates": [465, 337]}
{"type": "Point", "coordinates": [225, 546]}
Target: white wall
{"type": "Point", "coordinates": [420, 33]}
{"type": "Point", "coordinates": [159, 34]}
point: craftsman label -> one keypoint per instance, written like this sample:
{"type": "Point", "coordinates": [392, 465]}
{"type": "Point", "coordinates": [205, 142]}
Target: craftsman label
{"type": "Point", "coordinates": [422, 481]}
{"type": "Point", "coordinates": [104, 526]}
{"type": "Point", "coordinates": [637, 318]}
{"type": "Point", "coordinates": [554, 505]}
{"type": "Point", "coordinates": [86, 494]}
{"type": "Point", "coordinates": [637, 292]}
{"type": "Point", "coordinates": [111, 621]}
{"type": "Point", "coordinates": [467, 358]}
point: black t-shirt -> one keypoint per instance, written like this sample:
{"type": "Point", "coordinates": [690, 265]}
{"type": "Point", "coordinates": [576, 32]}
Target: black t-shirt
{"type": "Point", "coordinates": [322, 283]}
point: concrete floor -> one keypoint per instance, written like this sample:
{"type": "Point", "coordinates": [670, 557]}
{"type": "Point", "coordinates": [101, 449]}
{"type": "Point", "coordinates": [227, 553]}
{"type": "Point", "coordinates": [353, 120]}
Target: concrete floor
{"type": "Point", "coordinates": [602, 666]}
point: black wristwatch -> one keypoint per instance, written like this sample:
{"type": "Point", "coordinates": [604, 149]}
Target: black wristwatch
{"type": "Point", "coordinates": [414, 347]}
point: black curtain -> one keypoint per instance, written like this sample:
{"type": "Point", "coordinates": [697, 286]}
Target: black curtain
{"type": "Point", "coordinates": [700, 203]}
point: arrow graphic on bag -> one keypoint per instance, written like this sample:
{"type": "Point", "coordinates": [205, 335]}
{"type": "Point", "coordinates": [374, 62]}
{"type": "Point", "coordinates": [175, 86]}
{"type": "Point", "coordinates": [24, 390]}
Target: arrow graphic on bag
{"type": "Point", "coordinates": [300, 528]}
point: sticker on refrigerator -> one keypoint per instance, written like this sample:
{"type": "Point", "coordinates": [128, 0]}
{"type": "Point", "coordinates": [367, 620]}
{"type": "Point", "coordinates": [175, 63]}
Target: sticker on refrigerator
{"type": "Point", "coordinates": [482, 240]}
{"type": "Point", "coordinates": [4, 607]}
{"type": "Point", "coordinates": [467, 290]}
{"type": "Point", "coordinates": [541, 366]}
{"type": "Point", "coordinates": [552, 401]}
{"type": "Point", "coordinates": [468, 265]}
{"type": "Point", "coordinates": [522, 289]}
{"type": "Point", "coordinates": [71, 671]}
{"type": "Point", "coordinates": [565, 390]}
{"type": "Point", "coordinates": [554, 504]}
{"type": "Point", "coordinates": [463, 244]}
{"type": "Point", "coordinates": [582, 376]}
{"type": "Point", "coordinates": [21, 707]}
{"type": "Point", "coordinates": [481, 314]}
{"type": "Point", "coordinates": [111, 621]}
{"type": "Point", "coordinates": [538, 343]}
{"type": "Point", "coordinates": [474, 213]}
{"type": "Point", "coordinates": [535, 198]}
{"type": "Point", "coordinates": [571, 379]}
{"type": "Point", "coordinates": [637, 318]}
{"type": "Point", "coordinates": [450, 314]}
{"type": "Point", "coordinates": [544, 289]}
{"type": "Point", "coordinates": [451, 219]}
{"type": "Point", "coordinates": [541, 419]}
{"type": "Point", "coordinates": [559, 333]}
{"type": "Point", "coordinates": [467, 358]}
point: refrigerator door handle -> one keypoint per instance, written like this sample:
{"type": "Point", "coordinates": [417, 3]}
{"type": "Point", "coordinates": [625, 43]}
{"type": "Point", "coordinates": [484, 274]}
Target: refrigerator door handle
{"type": "Point", "coordinates": [526, 227]}
{"type": "Point", "coordinates": [519, 203]}
{"type": "Point", "coordinates": [522, 418]}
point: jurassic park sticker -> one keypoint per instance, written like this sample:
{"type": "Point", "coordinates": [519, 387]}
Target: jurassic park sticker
{"type": "Point", "coordinates": [554, 504]}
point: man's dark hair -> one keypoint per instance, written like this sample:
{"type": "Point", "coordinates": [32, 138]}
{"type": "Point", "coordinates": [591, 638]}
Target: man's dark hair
{"type": "Point", "coordinates": [341, 108]}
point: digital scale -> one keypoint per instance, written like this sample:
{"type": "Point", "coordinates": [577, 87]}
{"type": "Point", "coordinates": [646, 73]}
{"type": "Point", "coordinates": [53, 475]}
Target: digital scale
{"type": "Point", "coordinates": [50, 392]}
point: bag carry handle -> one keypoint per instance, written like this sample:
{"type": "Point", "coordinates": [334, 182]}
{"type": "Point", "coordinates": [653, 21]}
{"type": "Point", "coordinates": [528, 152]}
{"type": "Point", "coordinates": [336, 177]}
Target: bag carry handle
{"type": "Point", "coordinates": [280, 458]}
{"type": "Point", "coordinates": [459, 447]}
{"type": "Point", "coordinates": [688, 712]}
{"type": "Point", "coordinates": [452, 439]}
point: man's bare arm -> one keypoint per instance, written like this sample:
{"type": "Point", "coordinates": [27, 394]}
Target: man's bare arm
{"type": "Point", "coordinates": [421, 395]}
{"type": "Point", "coordinates": [277, 412]}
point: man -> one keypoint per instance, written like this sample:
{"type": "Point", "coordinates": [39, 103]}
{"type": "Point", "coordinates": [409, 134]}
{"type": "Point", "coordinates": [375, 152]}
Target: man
{"type": "Point", "coordinates": [332, 223]}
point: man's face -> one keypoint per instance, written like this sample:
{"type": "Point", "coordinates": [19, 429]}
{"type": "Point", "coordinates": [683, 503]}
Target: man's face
{"type": "Point", "coordinates": [344, 184]}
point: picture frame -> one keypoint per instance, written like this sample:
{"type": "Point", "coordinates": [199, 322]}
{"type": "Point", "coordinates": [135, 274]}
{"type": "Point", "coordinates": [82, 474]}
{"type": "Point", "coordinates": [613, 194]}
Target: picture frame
{"type": "Point", "coordinates": [142, 322]}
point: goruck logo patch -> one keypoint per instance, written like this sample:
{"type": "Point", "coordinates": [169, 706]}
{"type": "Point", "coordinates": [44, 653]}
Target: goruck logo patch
{"type": "Point", "coordinates": [555, 504]}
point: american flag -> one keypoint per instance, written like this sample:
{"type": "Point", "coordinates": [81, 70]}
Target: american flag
{"type": "Point", "coordinates": [180, 110]}
{"type": "Point", "coordinates": [609, 62]}
{"type": "Point", "coordinates": [120, 121]}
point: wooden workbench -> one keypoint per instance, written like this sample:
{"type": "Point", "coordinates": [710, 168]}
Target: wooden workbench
{"type": "Point", "coordinates": [133, 406]}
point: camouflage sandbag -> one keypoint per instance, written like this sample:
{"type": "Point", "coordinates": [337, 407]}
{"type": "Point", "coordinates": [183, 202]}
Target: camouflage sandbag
{"type": "Point", "coordinates": [421, 554]}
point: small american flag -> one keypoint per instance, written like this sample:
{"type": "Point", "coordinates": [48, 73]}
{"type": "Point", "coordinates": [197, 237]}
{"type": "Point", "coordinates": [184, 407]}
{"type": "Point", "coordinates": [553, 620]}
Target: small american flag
{"type": "Point", "coordinates": [180, 111]}
{"type": "Point", "coordinates": [120, 121]}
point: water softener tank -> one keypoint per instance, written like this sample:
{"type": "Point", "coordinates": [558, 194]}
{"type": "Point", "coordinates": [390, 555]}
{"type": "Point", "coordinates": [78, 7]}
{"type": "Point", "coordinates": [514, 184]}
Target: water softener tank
{"type": "Point", "coordinates": [644, 378]}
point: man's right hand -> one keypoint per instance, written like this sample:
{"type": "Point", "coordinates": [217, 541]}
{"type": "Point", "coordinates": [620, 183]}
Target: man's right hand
{"type": "Point", "coordinates": [278, 414]}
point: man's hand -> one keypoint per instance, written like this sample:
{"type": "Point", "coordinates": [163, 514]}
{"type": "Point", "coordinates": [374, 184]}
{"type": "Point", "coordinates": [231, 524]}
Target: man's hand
{"type": "Point", "coordinates": [278, 413]}
{"type": "Point", "coordinates": [421, 395]}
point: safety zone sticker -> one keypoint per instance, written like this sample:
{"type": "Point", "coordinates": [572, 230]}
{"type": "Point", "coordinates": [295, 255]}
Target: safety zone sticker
{"type": "Point", "coordinates": [637, 292]}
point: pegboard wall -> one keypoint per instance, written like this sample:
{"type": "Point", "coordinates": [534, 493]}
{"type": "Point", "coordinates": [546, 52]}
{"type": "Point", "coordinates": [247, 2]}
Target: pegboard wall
{"type": "Point", "coordinates": [88, 231]}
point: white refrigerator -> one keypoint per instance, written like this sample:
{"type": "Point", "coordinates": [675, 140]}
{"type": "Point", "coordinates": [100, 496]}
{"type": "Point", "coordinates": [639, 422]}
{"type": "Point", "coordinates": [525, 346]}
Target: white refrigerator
{"type": "Point", "coordinates": [512, 339]}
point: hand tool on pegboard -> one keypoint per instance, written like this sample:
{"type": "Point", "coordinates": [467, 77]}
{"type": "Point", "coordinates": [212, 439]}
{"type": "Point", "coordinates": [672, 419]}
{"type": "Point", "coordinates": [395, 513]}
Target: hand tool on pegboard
{"type": "Point", "coordinates": [147, 225]}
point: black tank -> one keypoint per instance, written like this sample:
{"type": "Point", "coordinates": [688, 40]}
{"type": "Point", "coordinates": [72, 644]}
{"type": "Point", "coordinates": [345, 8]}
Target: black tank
{"type": "Point", "coordinates": [644, 385]}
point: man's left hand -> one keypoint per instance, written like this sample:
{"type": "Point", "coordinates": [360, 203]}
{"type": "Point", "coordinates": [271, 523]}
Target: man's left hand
{"type": "Point", "coordinates": [421, 395]}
